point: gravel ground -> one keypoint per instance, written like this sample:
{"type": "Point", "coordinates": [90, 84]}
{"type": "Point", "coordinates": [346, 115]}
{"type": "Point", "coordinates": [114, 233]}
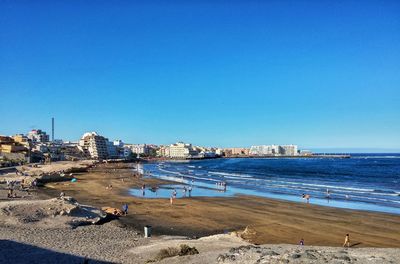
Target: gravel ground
{"type": "Point", "coordinates": [274, 254]}
{"type": "Point", "coordinates": [108, 243]}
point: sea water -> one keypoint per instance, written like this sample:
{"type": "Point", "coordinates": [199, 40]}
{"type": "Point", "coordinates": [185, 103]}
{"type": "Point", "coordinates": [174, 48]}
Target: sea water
{"type": "Point", "coordinates": [364, 181]}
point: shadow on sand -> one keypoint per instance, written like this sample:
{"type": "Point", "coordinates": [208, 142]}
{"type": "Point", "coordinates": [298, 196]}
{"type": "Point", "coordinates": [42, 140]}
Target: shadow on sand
{"type": "Point", "coordinates": [16, 252]}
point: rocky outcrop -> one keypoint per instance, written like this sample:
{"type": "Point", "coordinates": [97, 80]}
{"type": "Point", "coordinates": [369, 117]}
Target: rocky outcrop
{"type": "Point", "coordinates": [56, 212]}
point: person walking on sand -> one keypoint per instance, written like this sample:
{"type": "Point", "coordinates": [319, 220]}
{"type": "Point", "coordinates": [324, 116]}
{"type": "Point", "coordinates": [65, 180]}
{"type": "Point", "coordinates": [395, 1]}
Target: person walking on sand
{"type": "Point", "coordinates": [125, 209]}
{"type": "Point", "coordinates": [301, 243]}
{"type": "Point", "coordinates": [347, 241]}
{"type": "Point", "coordinates": [174, 194]}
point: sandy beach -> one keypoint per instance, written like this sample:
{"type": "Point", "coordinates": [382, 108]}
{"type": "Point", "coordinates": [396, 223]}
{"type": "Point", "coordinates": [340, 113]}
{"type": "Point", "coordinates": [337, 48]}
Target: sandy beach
{"type": "Point", "coordinates": [42, 227]}
{"type": "Point", "coordinates": [271, 221]}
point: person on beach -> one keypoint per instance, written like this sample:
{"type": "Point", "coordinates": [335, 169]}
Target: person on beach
{"type": "Point", "coordinates": [190, 191]}
{"type": "Point", "coordinates": [347, 241]}
{"type": "Point", "coordinates": [10, 193]}
{"type": "Point", "coordinates": [174, 194]}
{"type": "Point", "coordinates": [184, 191]}
{"type": "Point", "coordinates": [125, 209]}
{"type": "Point", "coordinates": [301, 243]}
{"type": "Point", "coordinates": [34, 183]}
{"type": "Point", "coordinates": [307, 197]}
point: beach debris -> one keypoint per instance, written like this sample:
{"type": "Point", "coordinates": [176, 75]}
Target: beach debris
{"type": "Point", "coordinates": [169, 252]}
{"type": "Point", "coordinates": [187, 250]}
{"type": "Point", "coordinates": [112, 211]}
{"type": "Point", "coordinates": [165, 253]}
{"type": "Point", "coordinates": [248, 234]}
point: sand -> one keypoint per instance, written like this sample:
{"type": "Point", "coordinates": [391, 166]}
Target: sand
{"type": "Point", "coordinates": [273, 221]}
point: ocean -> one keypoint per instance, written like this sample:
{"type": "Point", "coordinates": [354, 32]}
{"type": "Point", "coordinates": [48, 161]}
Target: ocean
{"type": "Point", "coordinates": [364, 181]}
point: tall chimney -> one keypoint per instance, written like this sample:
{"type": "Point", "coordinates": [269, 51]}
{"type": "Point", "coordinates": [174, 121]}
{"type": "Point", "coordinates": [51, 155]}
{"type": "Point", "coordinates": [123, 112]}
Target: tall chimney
{"type": "Point", "coordinates": [52, 129]}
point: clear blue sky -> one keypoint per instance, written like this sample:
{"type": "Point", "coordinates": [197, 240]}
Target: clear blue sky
{"type": "Point", "coordinates": [223, 73]}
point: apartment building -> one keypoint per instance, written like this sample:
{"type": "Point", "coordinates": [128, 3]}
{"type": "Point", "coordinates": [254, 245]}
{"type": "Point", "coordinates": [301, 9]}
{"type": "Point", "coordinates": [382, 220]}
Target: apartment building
{"type": "Point", "coordinates": [94, 145]}
{"type": "Point", "coordinates": [274, 150]}
{"type": "Point", "coordinates": [182, 150]}
{"type": "Point", "coordinates": [37, 135]}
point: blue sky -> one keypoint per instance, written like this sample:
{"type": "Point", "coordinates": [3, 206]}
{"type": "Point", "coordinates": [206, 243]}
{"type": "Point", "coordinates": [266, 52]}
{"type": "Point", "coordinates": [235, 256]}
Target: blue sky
{"type": "Point", "coordinates": [222, 73]}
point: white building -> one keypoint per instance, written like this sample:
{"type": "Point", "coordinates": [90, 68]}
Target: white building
{"type": "Point", "coordinates": [118, 143]}
{"type": "Point", "coordinates": [163, 151]}
{"type": "Point", "coordinates": [37, 135]}
{"type": "Point", "coordinates": [273, 150]}
{"type": "Point", "coordinates": [288, 150]}
{"type": "Point", "coordinates": [182, 150]}
{"type": "Point", "coordinates": [219, 151]}
{"type": "Point", "coordinates": [264, 150]}
{"type": "Point", "coordinates": [94, 145]}
{"type": "Point", "coordinates": [126, 152]}
{"type": "Point", "coordinates": [140, 149]}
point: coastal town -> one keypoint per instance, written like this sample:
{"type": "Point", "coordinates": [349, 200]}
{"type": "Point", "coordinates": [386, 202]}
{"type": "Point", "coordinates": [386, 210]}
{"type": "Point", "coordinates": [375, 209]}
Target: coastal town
{"type": "Point", "coordinates": [37, 146]}
{"type": "Point", "coordinates": [81, 195]}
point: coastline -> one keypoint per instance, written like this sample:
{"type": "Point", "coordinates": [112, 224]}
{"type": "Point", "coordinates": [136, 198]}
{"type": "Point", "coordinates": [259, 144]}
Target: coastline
{"type": "Point", "coordinates": [274, 221]}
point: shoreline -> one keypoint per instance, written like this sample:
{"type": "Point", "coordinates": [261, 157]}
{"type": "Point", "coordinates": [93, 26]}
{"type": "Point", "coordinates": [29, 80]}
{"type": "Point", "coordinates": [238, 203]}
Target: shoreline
{"type": "Point", "coordinates": [274, 221]}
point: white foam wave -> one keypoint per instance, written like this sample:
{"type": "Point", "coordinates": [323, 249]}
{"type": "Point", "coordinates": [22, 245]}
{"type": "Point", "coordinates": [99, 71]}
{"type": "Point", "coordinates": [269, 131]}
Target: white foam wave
{"type": "Point", "coordinates": [230, 174]}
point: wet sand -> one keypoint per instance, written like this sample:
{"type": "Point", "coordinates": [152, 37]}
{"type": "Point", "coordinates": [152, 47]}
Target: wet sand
{"type": "Point", "coordinates": [273, 221]}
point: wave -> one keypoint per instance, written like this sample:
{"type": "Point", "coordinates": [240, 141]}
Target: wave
{"type": "Point", "coordinates": [230, 174]}
{"type": "Point", "coordinates": [376, 157]}
{"type": "Point", "coordinates": [186, 176]}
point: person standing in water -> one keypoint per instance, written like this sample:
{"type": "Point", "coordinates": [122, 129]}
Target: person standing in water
{"type": "Point", "coordinates": [307, 197]}
{"type": "Point", "coordinates": [347, 241]}
{"type": "Point", "coordinates": [143, 189]}
{"type": "Point", "coordinates": [190, 191]}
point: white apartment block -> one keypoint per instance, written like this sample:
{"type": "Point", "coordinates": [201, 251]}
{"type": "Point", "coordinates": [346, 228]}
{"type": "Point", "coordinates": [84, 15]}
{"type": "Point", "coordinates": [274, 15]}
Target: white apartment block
{"type": "Point", "coordinates": [140, 149]}
{"type": "Point", "coordinates": [288, 150]}
{"type": "Point", "coordinates": [273, 150]}
{"type": "Point", "coordinates": [94, 145]}
{"type": "Point", "coordinates": [182, 150]}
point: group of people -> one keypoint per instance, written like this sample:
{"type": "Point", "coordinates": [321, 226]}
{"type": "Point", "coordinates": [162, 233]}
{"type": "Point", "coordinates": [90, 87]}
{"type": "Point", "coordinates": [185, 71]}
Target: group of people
{"type": "Point", "coordinates": [328, 196]}
{"type": "Point", "coordinates": [185, 190]}
{"type": "Point", "coordinates": [14, 184]}
{"type": "Point", "coordinates": [221, 185]}
{"type": "Point", "coordinates": [188, 189]}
